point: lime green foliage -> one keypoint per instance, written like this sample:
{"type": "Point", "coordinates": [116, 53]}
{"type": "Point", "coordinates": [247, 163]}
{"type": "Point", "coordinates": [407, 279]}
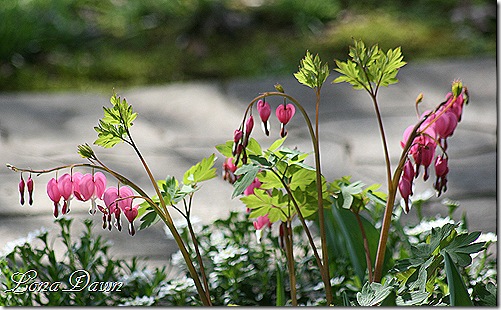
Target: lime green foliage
{"type": "Point", "coordinates": [114, 127]}
{"type": "Point", "coordinates": [286, 181]}
{"type": "Point", "coordinates": [86, 151]}
{"type": "Point", "coordinates": [174, 192]}
{"type": "Point", "coordinates": [202, 171]}
{"type": "Point", "coordinates": [352, 195]}
{"type": "Point", "coordinates": [370, 68]}
{"type": "Point", "coordinates": [312, 72]}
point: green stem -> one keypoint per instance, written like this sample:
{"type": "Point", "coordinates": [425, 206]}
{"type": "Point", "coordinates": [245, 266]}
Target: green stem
{"type": "Point", "coordinates": [197, 250]}
{"type": "Point", "coordinates": [321, 216]}
{"type": "Point", "coordinates": [316, 150]}
{"type": "Point", "coordinates": [290, 261]}
{"type": "Point", "coordinates": [392, 192]}
{"type": "Point", "coordinates": [306, 229]}
{"type": "Point", "coordinates": [170, 224]}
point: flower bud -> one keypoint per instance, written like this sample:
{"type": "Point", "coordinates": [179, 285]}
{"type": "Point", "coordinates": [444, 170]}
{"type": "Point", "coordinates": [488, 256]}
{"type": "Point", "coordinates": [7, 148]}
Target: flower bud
{"type": "Point", "coordinates": [457, 88]}
{"type": "Point", "coordinates": [30, 186]}
{"type": "Point", "coordinates": [264, 110]}
{"type": "Point", "coordinates": [279, 88]}
{"type": "Point", "coordinates": [249, 124]}
{"type": "Point", "coordinates": [21, 189]}
{"type": "Point", "coordinates": [405, 189]}
{"type": "Point", "coordinates": [237, 135]}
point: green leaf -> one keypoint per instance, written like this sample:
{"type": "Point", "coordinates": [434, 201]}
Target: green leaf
{"type": "Point", "coordinates": [302, 178]}
{"type": "Point", "coordinates": [349, 74]}
{"type": "Point", "coordinates": [457, 289]}
{"type": "Point", "coordinates": [149, 219]}
{"type": "Point", "coordinates": [370, 68]}
{"type": "Point", "coordinates": [113, 127]}
{"type": "Point", "coordinates": [248, 174]}
{"type": "Point", "coordinates": [269, 180]}
{"type": "Point", "coordinates": [226, 149]}
{"type": "Point", "coordinates": [253, 148]}
{"type": "Point", "coordinates": [373, 294]}
{"type": "Point", "coordinates": [202, 171]}
{"type": "Point", "coordinates": [486, 294]}
{"type": "Point", "coordinates": [86, 151]}
{"type": "Point", "coordinates": [344, 236]}
{"type": "Point", "coordinates": [260, 160]}
{"type": "Point", "coordinates": [312, 72]}
{"type": "Point", "coordinates": [260, 199]}
{"type": "Point", "coordinates": [278, 143]}
{"type": "Point", "coordinates": [107, 140]}
{"type": "Point", "coordinates": [461, 247]}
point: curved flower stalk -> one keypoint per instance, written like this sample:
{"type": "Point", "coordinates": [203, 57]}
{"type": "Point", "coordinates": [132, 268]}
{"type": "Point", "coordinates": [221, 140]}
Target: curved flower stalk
{"type": "Point", "coordinates": [283, 192]}
{"type": "Point", "coordinates": [113, 129]}
{"type": "Point", "coordinates": [369, 69]}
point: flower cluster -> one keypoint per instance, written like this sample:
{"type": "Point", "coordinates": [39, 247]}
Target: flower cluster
{"type": "Point", "coordinates": [88, 187]}
{"type": "Point", "coordinates": [29, 185]}
{"type": "Point", "coordinates": [434, 130]}
{"type": "Point", "coordinates": [284, 114]}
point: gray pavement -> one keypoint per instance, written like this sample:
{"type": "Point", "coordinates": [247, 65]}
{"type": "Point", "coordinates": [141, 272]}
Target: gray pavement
{"type": "Point", "coordinates": [180, 123]}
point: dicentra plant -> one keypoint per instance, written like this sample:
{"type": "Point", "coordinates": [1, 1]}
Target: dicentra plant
{"type": "Point", "coordinates": [280, 189]}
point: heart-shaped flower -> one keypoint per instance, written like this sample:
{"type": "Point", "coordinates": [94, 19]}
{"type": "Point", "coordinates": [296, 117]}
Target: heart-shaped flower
{"type": "Point", "coordinates": [285, 113]}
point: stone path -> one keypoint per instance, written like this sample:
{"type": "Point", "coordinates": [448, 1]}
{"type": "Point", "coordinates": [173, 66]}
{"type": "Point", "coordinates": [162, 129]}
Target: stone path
{"type": "Point", "coordinates": [178, 124]}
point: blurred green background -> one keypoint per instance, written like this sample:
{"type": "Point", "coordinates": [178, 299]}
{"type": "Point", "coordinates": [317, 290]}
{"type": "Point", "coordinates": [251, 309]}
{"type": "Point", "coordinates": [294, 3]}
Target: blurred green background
{"type": "Point", "coordinates": [101, 44]}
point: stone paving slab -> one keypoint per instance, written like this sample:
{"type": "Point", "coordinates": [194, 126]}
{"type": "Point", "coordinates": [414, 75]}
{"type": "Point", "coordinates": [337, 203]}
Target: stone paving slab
{"type": "Point", "coordinates": [180, 123]}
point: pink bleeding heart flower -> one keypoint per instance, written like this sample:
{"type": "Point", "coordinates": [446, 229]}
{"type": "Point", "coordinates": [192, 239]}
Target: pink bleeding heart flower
{"type": "Point", "coordinates": [131, 214]}
{"type": "Point", "coordinates": [445, 124]}
{"type": "Point", "coordinates": [405, 189]}
{"type": "Point", "coordinates": [21, 186]}
{"type": "Point", "coordinates": [261, 222]}
{"type": "Point", "coordinates": [423, 146]}
{"type": "Point", "coordinates": [229, 169]}
{"type": "Point", "coordinates": [30, 186]}
{"type": "Point", "coordinates": [106, 216]}
{"type": "Point", "coordinates": [405, 183]}
{"type": "Point", "coordinates": [91, 187]}
{"type": "Point", "coordinates": [264, 110]}
{"type": "Point", "coordinates": [441, 170]}
{"type": "Point", "coordinates": [237, 145]}
{"type": "Point", "coordinates": [54, 195]}
{"type": "Point", "coordinates": [284, 114]}
{"type": "Point", "coordinates": [125, 201]}
{"type": "Point", "coordinates": [117, 201]}
{"type": "Point", "coordinates": [110, 197]}
{"type": "Point", "coordinates": [250, 189]}
{"type": "Point", "coordinates": [65, 186]}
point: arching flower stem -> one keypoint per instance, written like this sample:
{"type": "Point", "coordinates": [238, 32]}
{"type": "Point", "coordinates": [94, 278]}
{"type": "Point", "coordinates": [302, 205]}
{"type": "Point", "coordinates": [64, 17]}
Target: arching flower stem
{"type": "Point", "coordinates": [324, 267]}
